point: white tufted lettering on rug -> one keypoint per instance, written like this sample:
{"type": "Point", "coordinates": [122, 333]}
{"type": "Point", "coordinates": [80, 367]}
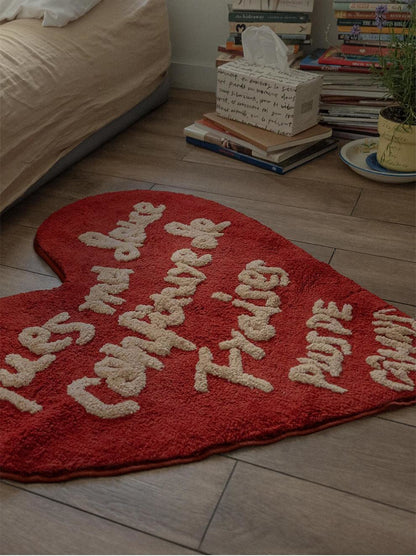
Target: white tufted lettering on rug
{"type": "Point", "coordinates": [102, 295]}
{"type": "Point", "coordinates": [325, 353]}
{"type": "Point", "coordinates": [128, 236]}
{"type": "Point", "coordinates": [398, 356]}
{"type": "Point", "coordinates": [203, 231]}
{"type": "Point", "coordinates": [124, 367]}
{"type": "Point", "coordinates": [256, 282]}
{"type": "Point", "coordinates": [37, 340]}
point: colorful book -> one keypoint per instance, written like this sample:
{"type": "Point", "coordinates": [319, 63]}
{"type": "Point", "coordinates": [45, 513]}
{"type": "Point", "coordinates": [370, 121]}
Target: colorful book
{"type": "Point", "coordinates": [349, 22]}
{"type": "Point", "coordinates": [229, 51]}
{"type": "Point", "coordinates": [363, 50]}
{"type": "Point", "coordinates": [318, 149]}
{"type": "Point", "coordinates": [267, 140]}
{"type": "Point", "coordinates": [234, 40]}
{"type": "Point", "coordinates": [278, 27]}
{"type": "Point", "coordinates": [396, 16]}
{"type": "Point", "coordinates": [311, 63]}
{"type": "Point", "coordinates": [376, 42]}
{"type": "Point", "coordinates": [268, 17]}
{"type": "Point", "coordinates": [388, 31]}
{"type": "Point", "coordinates": [274, 5]}
{"type": "Point", "coordinates": [365, 37]}
{"type": "Point", "coordinates": [334, 56]}
{"type": "Point", "coordinates": [292, 49]}
{"type": "Point", "coordinates": [369, 6]}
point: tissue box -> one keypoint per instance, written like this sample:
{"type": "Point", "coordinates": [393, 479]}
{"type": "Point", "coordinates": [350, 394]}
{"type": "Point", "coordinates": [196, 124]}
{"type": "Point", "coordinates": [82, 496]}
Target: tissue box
{"type": "Point", "coordinates": [285, 103]}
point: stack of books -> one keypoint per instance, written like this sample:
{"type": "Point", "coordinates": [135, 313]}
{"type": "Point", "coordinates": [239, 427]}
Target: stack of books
{"type": "Point", "coordinates": [351, 99]}
{"type": "Point", "coordinates": [365, 27]}
{"type": "Point", "coordinates": [290, 19]}
{"type": "Point", "coordinates": [265, 149]}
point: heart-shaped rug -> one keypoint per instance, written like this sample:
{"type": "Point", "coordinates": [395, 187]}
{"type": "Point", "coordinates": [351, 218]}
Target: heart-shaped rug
{"type": "Point", "coordinates": [184, 328]}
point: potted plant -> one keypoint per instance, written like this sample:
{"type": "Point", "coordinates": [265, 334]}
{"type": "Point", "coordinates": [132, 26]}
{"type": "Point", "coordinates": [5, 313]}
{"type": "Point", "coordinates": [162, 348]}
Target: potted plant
{"type": "Point", "coordinates": [397, 73]}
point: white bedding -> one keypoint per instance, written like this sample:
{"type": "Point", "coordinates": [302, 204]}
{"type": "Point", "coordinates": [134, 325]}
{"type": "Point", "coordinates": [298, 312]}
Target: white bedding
{"type": "Point", "coordinates": [54, 13]}
{"type": "Point", "coordinates": [61, 85]}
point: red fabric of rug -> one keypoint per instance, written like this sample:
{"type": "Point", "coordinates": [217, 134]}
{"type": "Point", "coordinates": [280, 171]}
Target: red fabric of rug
{"type": "Point", "coordinates": [182, 329]}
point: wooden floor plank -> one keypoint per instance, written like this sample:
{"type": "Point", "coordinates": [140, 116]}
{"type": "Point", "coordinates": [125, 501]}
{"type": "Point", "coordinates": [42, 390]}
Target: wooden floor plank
{"type": "Point", "coordinates": [147, 141]}
{"type": "Point", "coordinates": [388, 205]}
{"type": "Point", "coordinates": [33, 210]}
{"type": "Point", "coordinates": [343, 232]}
{"type": "Point", "coordinates": [17, 251]}
{"type": "Point", "coordinates": [310, 171]}
{"type": "Point", "coordinates": [14, 281]}
{"type": "Point", "coordinates": [370, 468]}
{"type": "Point", "coordinates": [31, 524]}
{"type": "Point", "coordinates": [406, 416]}
{"type": "Point", "coordinates": [265, 512]}
{"type": "Point", "coordinates": [175, 503]}
{"type": "Point", "coordinates": [146, 166]}
{"type": "Point", "coordinates": [320, 252]}
{"type": "Point", "coordinates": [386, 277]}
{"type": "Point", "coordinates": [76, 185]}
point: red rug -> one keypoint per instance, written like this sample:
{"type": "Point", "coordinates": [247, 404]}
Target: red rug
{"type": "Point", "coordinates": [183, 329]}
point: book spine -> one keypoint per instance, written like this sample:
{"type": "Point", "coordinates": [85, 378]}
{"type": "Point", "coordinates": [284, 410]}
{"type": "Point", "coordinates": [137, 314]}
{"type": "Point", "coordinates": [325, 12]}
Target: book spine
{"type": "Point", "coordinates": [370, 23]}
{"type": "Point", "coordinates": [376, 42]}
{"type": "Point", "coordinates": [274, 5]}
{"type": "Point", "coordinates": [395, 16]}
{"type": "Point", "coordinates": [224, 49]}
{"type": "Point", "coordinates": [234, 41]}
{"type": "Point", "coordinates": [364, 50]}
{"type": "Point", "coordinates": [266, 17]}
{"type": "Point", "coordinates": [373, 30]}
{"type": "Point", "coordinates": [324, 67]}
{"type": "Point", "coordinates": [368, 6]}
{"type": "Point", "coordinates": [277, 27]}
{"type": "Point", "coordinates": [236, 155]}
{"type": "Point", "coordinates": [368, 37]}
{"type": "Point", "coordinates": [352, 63]}
{"type": "Point", "coordinates": [238, 49]}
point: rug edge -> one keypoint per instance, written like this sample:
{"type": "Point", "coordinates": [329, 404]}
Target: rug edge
{"type": "Point", "coordinates": [217, 450]}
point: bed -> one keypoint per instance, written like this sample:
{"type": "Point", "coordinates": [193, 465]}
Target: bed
{"type": "Point", "coordinates": [67, 90]}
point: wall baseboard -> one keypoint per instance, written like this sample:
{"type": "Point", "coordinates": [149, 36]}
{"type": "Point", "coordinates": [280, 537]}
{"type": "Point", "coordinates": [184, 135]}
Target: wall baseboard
{"type": "Point", "coordinates": [192, 76]}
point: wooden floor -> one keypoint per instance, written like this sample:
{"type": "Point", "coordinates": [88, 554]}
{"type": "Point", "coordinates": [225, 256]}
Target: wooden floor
{"type": "Point", "coordinates": [347, 490]}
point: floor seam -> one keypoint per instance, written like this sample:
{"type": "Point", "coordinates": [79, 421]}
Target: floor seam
{"type": "Point", "coordinates": [18, 487]}
{"type": "Point", "coordinates": [217, 505]}
{"type": "Point", "coordinates": [324, 485]}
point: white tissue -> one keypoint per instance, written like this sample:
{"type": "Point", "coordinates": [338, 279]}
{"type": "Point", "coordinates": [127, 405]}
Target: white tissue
{"type": "Point", "coordinates": [263, 47]}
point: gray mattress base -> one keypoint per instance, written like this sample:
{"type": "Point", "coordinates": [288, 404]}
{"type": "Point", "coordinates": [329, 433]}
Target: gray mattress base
{"type": "Point", "coordinates": [155, 99]}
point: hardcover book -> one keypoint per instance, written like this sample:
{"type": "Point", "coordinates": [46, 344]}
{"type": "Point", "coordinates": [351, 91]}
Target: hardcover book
{"type": "Point", "coordinates": [267, 140]}
{"type": "Point", "coordinates": [207, 131]}
{"type": "Point", "coordinates": [316, 150]}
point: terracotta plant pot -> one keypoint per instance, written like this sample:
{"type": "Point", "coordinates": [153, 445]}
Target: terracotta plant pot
{"type": "Point", "coordinates": [397, 144]}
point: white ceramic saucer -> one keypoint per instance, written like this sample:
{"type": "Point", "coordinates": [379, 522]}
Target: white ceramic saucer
{"type": "Point", "coordinates": [355, 154]}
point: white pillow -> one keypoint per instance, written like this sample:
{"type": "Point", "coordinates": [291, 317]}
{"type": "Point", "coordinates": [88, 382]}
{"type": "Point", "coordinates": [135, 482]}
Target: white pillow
{"type": "Point", "coordinates": [55, 13]}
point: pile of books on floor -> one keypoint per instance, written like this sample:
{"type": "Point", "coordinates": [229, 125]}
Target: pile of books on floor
{"type": "Point", "coordinates": [351, 99]}
{"type": "Point", "coordinates": [265, 149]}
{"type": "Point", "coordinates": [290, 19]}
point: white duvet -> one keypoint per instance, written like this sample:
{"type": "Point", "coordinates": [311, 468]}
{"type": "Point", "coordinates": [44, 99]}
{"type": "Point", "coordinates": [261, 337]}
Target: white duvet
{"type": "Point", "coordinates": [55, 13]}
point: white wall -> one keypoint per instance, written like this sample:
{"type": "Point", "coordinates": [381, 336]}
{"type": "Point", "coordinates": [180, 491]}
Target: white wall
{"type": "Point", "coordinates": [197, 27]}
